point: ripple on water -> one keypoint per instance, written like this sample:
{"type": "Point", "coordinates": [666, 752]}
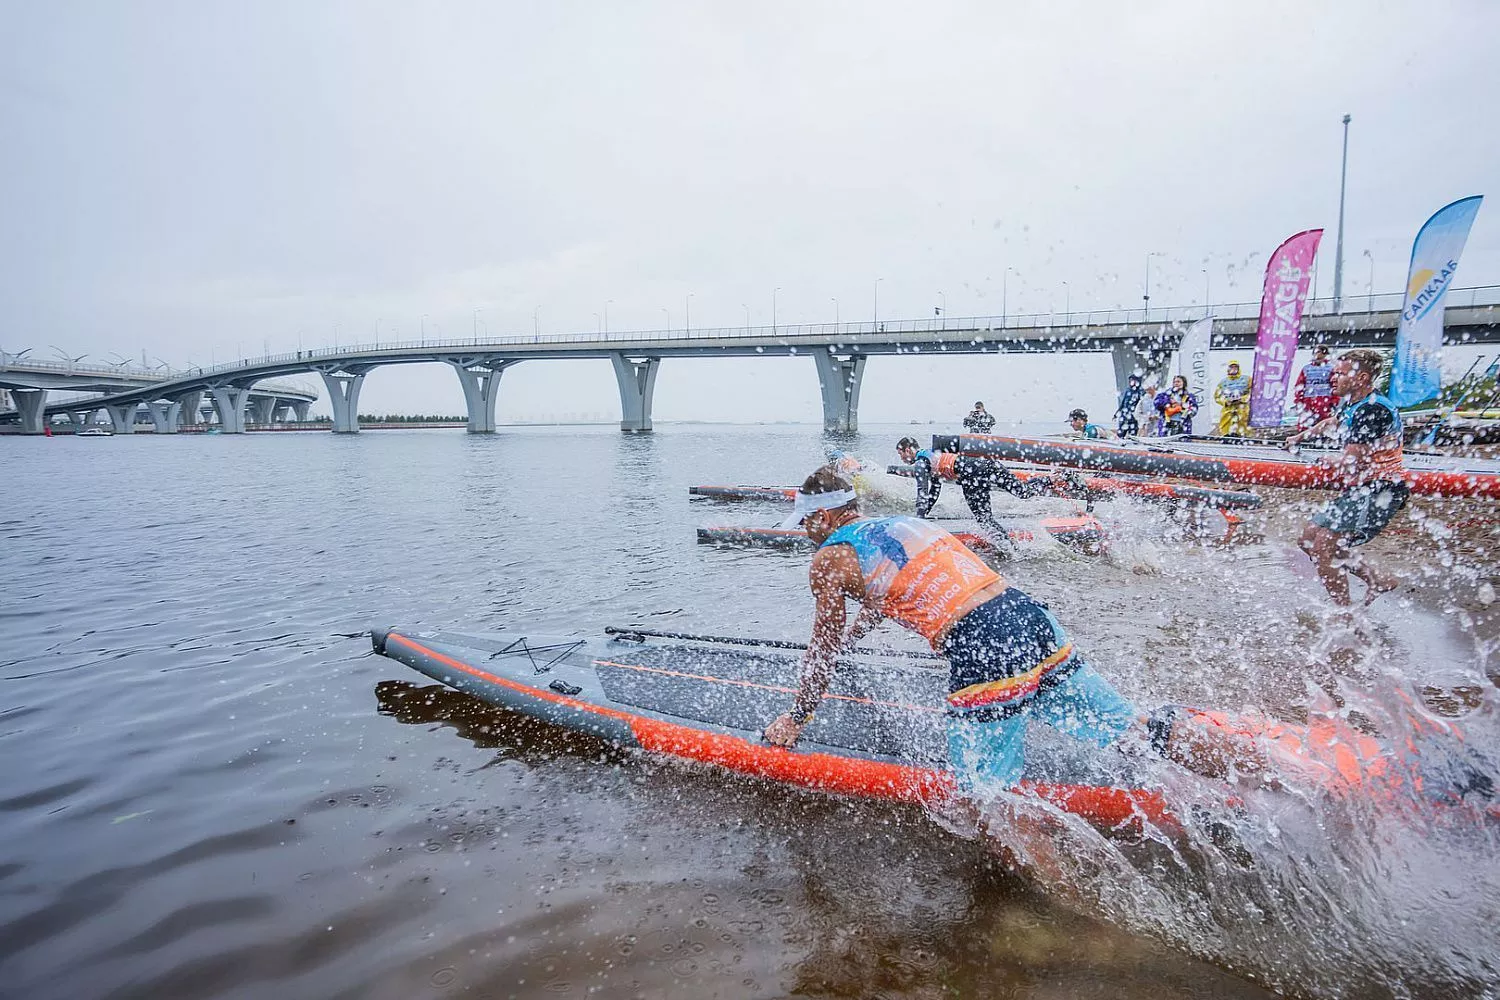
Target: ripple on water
{"type": "Point", "coordinates": [222, 794]}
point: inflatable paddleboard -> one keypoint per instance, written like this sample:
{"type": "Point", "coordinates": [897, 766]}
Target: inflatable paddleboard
{"type": "Point", "coordinates": [1103, 487]}
{"type": "Point", "coordinates": [775, 494]}
{"type": "Point", "coordinates": [1439, 475]}
{"type": "Point", "coordinates": [880, 733]}
{"type": "Point", "coordinates": [1094, 488]}
{"type": "Point", "coordinates": [1081, 533]}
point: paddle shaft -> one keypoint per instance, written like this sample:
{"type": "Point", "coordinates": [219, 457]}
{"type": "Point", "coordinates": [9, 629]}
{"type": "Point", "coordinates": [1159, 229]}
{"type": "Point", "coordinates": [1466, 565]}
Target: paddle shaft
{"type": "Point", "coordinates": [740, 641]}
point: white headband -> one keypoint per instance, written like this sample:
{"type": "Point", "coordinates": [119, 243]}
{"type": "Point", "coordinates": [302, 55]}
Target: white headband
{"type": "Point", "coordinates": [807, 503]}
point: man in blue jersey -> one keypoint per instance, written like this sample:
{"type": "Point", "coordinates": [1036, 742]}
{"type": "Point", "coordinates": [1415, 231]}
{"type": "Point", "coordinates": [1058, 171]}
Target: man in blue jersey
{"type": "Point", "coordinates": [1368, 428]}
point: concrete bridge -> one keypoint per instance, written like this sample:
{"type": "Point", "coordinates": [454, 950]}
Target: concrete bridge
{"type": "Point", "coordinates": [29, 382]}
{"type": "Point", "coordinates": [1136, 341]}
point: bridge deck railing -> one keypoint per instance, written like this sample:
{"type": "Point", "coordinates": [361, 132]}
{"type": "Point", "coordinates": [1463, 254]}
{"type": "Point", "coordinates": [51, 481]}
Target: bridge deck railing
{"type": "Point", "coordinates": [818, 333]}
{"type": "Point", "coordinates": [849, 333]}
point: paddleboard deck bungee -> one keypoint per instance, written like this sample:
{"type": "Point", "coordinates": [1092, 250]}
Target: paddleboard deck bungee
{"type": "Point", "coordinates": [879, 734]}
{"type": "Point", "coordinates": [1081, 533]}
{"type": "Point", "coordinates": [1439, 475]}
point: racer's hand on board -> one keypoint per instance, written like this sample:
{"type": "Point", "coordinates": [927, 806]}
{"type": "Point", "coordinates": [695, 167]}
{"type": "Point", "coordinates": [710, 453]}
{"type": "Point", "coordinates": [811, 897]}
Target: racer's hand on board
{"type": "Point", "coordinates": [784, 731]}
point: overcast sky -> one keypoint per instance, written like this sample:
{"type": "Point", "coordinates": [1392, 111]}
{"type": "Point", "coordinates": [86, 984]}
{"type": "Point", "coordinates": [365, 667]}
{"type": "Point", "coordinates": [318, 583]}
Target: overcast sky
{"type": "Point", "coordinates": [204, 180]}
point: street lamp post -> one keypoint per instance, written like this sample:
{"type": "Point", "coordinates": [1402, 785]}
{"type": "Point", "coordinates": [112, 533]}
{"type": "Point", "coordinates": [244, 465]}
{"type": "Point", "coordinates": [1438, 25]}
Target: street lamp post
{"type": "Point", "coordinates": [1205, 289]}
{"type": "Point", "coordinates": [943, 309]}
{"type": "Point", "coordinates": [1067, 304]}
{"type": "Point", "coordinates": [1146, 294]}
{"type": "Point", "coordinates": [687, 314]}
{"type": "Point", "coordinates": [424, 329]}
{"type": "Point", "coordinates": [1370, 288]}
{"type": "Point", "coordinates": [877, 303]}
{"type": "Point", "coordinates": [665, 312]}
{"type": "Point", "coordinates": [476, 324]}
{"type": "Point", "coordinates": [1338, 256]}
{"type": "Point", "coordinates": [773, 309]}
{"type": "Point", "coordinates": [1004, 297]}
{"type": "Point", "coordinates": [536, 323]}
{"type": "Point", "coordinates": [835, 311]}
{"type": "Point", "coordinates": [747, 316]}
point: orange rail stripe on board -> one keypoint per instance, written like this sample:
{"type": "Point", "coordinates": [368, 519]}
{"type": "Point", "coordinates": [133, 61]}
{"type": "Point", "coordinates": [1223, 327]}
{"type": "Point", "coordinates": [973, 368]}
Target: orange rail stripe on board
{"type": "Point", "coordinates": [833, 773]}
{"type": "Point", "coordinates": [825, 772]}
{"type": "Point", "coordinates": [485, 675]}
{"type": "Point", "coordinates": [1110, 484]}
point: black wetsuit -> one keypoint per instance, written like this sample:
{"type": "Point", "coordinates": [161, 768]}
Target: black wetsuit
{"type": "Point", "coordinates": [976, 477]}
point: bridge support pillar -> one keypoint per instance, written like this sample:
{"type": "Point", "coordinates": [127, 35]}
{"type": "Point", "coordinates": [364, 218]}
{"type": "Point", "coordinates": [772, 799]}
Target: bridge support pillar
{"type": "Point", "coordinates": [1146, 358]}
{"type": "Point", "coordinates": [230, 402]}
{"type": "Point", "coordinates": [839, 379]}
{"type": "Point", "coordinates": [80, 419]}
{"type": "Point", "coordinates": [343, 393]}
{"type": "Point", "coordinates": [263, 410]}
{"type": "Point", "coordinates": [481, 385]}
{"type": "Point", "coordinates": [192, 407]}
{"type": "Point", "coordinates": [31, 403]}
{"type": "Point", "coordinates": [165, 416]}
{"type": "Point", "coordinates": [300, 409]}
{"type": "Point", "coordinates": [122, 417]}
{"type": "Point", "coordinates": [637, 381]}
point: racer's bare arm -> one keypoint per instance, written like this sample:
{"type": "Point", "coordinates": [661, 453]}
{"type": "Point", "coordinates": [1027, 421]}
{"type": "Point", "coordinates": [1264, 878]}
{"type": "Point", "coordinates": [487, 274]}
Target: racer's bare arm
{"type": "Point", "coordinates": [834, 576]}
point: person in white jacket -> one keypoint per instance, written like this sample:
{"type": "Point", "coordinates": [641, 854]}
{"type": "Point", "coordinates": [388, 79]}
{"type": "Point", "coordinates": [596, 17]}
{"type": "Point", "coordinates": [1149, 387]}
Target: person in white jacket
{"type": "Point", "coordinates": [1145, 412]}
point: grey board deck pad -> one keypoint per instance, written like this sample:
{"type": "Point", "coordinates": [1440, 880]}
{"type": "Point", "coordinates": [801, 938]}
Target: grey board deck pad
{"type": "Point", "coordinates": [872, 709]}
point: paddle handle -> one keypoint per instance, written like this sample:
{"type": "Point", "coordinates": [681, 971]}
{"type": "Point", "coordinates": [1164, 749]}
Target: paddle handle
{"type": "Point", "coordinates": [645, 633]}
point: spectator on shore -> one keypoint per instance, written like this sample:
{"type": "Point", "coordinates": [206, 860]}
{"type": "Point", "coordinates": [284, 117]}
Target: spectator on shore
{"type": "Point", "coordinates": [1313, 394]}
{"type": "Point", "coordinates": [979, 420]}
{"type": "Point", "coordinates": [1145, 411]}
{"type": "Point", "coordinates": [1127, 423]}
{"type": "Point", "coordinates": [1177, 407]}
{"type": "Point", "coordinates": [1233, 397]}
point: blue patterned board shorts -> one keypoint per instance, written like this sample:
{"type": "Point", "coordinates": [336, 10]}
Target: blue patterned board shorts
{"type": "Point", "coordinates": [1362, 512]}
{"type": "Point", "coordinates": [989, 751]}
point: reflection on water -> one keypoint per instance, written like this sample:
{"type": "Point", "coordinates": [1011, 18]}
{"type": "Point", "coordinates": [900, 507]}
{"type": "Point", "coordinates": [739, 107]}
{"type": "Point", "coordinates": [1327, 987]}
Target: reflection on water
{"type": "Point", "coordinates": [221, 793]}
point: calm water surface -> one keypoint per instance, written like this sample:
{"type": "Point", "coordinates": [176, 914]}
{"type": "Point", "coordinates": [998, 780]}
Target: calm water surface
{"type": "Point", "coordinates": [213, 788]}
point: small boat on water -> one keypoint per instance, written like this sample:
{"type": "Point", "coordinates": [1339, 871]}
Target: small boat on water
{"type": "Point", "coordinates": [1224, 460]}
{"type": "Point", "coordinates": [95, 431]}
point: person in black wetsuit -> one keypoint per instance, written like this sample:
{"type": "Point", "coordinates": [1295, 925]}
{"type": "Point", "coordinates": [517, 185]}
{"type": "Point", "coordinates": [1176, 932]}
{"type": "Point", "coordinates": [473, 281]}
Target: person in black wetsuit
{"type": "Point", "coordinates": [975, 477]}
